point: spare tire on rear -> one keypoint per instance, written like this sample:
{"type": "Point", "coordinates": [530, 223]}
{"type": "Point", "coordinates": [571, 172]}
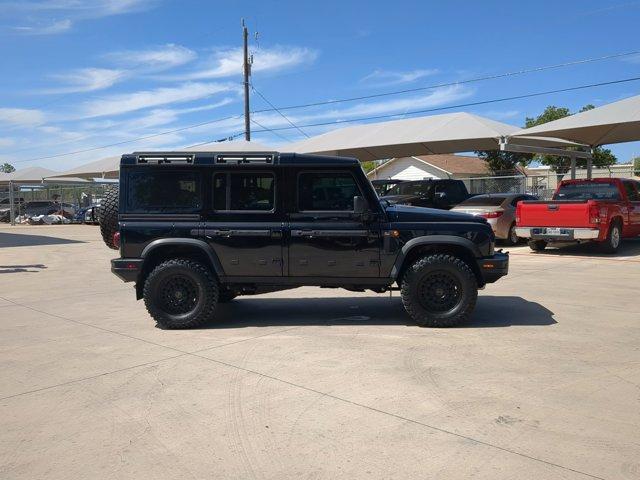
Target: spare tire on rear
{"type": "Point", "coordinates": [108, 215]}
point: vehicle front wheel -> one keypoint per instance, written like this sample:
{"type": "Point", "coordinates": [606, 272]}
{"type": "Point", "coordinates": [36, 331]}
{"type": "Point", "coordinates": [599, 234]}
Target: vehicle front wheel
{"type": "Point", "coordinates": [181, 293]}
{"type": "Point", "coordinates": [537, 245]}
{"type": "Point", "coordinates": [614, 237]}
{"type": "Point", "coordinates": [439, 291]}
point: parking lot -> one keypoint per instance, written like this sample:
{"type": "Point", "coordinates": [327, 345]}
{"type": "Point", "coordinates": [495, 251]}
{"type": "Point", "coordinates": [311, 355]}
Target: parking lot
{"type": "Point", "coordinates": [544, 382]}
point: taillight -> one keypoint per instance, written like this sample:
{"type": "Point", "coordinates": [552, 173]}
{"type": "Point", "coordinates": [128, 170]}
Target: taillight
{"type": "Point", "coordinates": [116, 239]}
{"type": "Point", "coordinates": [594, 212]}
{"type": "Point", "coordinates": [492, 214]}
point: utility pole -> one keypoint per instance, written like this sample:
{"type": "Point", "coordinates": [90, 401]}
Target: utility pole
{"type": "Point", "coordinates": [247, 74]}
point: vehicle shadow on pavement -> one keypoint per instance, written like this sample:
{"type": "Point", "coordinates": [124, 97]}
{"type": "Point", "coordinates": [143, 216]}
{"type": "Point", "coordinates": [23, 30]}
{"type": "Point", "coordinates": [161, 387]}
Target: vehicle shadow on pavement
{"type": "Point", "coordinates": [21, 268]}
{"type": "Point", "coordinates": [22, 240]}
{"type": "Point", "coordinates": [628, 248]}
{"type": "Point", "coordinates": [491, 311]}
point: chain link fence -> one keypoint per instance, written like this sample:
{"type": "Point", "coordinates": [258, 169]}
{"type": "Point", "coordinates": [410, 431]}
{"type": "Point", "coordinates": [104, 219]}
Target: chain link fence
{"type": "Point", "coordinates": [72, 198]}
{"type": "Point", "coordinates": [541, 185]}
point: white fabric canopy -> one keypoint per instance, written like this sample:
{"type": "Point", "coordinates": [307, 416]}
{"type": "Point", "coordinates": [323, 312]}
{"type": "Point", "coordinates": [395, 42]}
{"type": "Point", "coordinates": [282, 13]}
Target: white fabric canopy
{"type": "Point", "coordinates": [448, 133]}
{"type": "Point", "coordinates": [24, 176]}
{"type": "Point", "coordinates": [612, 123]}
{"type": "Point", "coordinates": [108, 167]}
{"type": "Point", "coordinates": [234, 146]}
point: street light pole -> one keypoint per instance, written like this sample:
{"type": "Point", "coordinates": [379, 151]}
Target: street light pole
{"type": "Point", "coordinates": [247, 74]}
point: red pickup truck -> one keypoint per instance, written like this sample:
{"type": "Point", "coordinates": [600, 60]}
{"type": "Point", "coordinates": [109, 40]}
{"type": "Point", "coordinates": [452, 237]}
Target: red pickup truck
{"type": "Point", "coordinates": [602, 210]}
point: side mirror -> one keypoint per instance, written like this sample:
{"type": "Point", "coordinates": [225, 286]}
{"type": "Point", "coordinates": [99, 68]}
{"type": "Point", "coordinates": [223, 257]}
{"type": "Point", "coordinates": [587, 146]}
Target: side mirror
{"type": "Point", "coordinates": [359, 205]}
{"type": "Point", "coordinates": [440, 195]}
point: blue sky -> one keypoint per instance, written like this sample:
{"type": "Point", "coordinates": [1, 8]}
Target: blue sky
{"type": "Point", "coordinates": [83, 74]}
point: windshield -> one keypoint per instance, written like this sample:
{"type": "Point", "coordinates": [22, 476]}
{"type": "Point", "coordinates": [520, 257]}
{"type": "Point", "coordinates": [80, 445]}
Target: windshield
{"type": "Point", "coordinates": [483, 201]}
{"type": "Point", "coordinates": [418, 188]}
{"type": "Point", "coordinates": [587, 191]}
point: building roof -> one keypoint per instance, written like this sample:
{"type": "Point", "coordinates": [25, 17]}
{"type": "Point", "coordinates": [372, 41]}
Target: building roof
{"type": "Point", "coordinates": [456, 164]}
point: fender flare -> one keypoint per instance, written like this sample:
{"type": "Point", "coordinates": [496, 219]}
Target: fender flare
{"type": "Point", "coordinates": [433, 240]}
{"type": "Point", "coordinates": [188, 242]}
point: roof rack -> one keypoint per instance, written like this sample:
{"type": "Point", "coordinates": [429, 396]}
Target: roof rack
{"type": "Point", "coordinates": [245, 158]}
{"type": "Point", "coordinates": [158, 159]}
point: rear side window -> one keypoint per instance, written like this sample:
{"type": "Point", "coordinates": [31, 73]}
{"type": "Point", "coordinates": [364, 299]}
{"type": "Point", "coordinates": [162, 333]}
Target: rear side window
{"type": "Point", "coordinates": [244, 191]}
{"type": "Point", "coordinates": [587, 191]}
{"type": "Point", "coordinates": [163, 192]}
{"type": "Point", "coordinates": [632, 193]}
{"type": "Point", "coordinates": [326, 191]}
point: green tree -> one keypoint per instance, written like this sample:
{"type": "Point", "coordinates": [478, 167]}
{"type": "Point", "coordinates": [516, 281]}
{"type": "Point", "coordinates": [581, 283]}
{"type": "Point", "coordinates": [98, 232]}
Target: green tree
{"type": "Point", "coordinates": [636, 166]}
{"type": "Point", "coordinates": [7, 168]}
{"type": "Point", "coordinates": [602, 157]}
{"type": "Point", "coordinates": [368, 166]}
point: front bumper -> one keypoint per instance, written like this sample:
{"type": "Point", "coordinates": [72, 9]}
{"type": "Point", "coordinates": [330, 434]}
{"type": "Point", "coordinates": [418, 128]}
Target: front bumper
{"type": "Point", "coordinates": [127, 269]}
{"type": "Point", "coordinates": [494, 267]}
{"type": "Point", "coordinates": [559, 234]}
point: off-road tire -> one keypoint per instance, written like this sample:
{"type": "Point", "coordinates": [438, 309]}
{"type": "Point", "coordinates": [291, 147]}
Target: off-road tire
{"type": "Point", "coordinates": [108, 216]}
{"type": "Point", "coordinates": [614, 237]}
{"type": "Point", "coordinates": [512, 239]}
{"type": "Point", "coordinates": [202, 284]}
{"type": "Point", "coordinates": [422, 273]}
{"type": "Point", "coordinates": [537, 245]}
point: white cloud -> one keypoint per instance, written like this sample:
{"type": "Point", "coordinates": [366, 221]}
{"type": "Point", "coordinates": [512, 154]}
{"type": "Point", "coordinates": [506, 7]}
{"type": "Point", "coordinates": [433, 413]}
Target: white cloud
{"type": "Point", "coordinates": [86, 80]}
{"type": "Point", "coordinates": [54, 28]}
{"type": "Point", "coordinates": [386, 77]}
{"type": "Point", "coordinates": [128, 102]}
{"type": "Point", "coordinates": [228, 62]}
{"type": "Point", "coordinates": [159, 58]}
{"type": "Point", "coordinates": [34, 17]}
{"type": "Point", "coordinates": [7, 142]}
{"type": "Point", "coordinates": [22, 117]}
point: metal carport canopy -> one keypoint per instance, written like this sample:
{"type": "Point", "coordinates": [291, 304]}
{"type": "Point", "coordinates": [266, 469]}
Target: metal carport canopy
{"type": "Point", "coordinates": [447, 133]}
{"type": "Point", "coordinates": [616, 122]}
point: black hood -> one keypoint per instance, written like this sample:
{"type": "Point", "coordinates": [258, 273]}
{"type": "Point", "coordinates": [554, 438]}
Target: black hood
{"type": "Point", "coordinates": [408, 213]}
{"type": "Point", "coordinates": [400, 198]}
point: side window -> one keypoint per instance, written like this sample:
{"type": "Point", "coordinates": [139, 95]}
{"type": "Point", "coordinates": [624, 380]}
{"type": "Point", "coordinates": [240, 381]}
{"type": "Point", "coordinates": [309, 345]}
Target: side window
{"type": "Point", "coordinates": [632, 193]}
{"type": "Point", "coordinates": [163, 191]}
{"type": "Point", "coordinates": [326, 191]}
{"type": "Point", "coordinates": [244, 191]}
{"type": "Point", "coordinates": [452, 190]}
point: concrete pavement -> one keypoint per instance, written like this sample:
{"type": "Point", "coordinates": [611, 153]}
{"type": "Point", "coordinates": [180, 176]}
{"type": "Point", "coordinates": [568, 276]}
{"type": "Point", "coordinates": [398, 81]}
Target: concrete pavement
{"type": "Point", "coordinates": [544, 382]}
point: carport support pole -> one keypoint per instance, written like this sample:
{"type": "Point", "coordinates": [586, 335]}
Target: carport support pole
{"type": "Point", "coordinates": [12, 213]}
{"type": "Point", "coordinates": [590, 166]}
{"type": "Point", "coordinates": [573, 167]}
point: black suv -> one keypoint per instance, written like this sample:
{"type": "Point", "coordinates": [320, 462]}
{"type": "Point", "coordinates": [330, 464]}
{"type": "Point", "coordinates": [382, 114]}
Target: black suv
{"type": "Point", "coordinates": [197, 229]}
{"type": "Point", "coordinates": [444, 193]}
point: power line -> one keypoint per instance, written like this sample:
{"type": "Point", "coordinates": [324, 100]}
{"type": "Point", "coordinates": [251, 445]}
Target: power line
{"type": "Point", "coordinates": [397, 92]}
{"type": "Point", "coordinates": [460, 82]}
{"type": "Point", "coordinates": [462, 105]}
{"type": "Point", "coordinates": [267, 129]}
{"type": "Point", "coordinates": [337, 122]}
{"type": "Point", "coordinates": [281, 114]}
{"type": "Point", "coordinates": [91, 149]}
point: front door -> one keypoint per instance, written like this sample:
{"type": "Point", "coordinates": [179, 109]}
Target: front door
{"type": "Point", "coordinates": [244, 222]}
{"type": "Point", "coordinates": [326, 238]}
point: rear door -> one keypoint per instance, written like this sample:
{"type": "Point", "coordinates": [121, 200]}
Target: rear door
{"type": "Point", "coordinates": [326, 238]}
{"type": "Point", "coordinates": [244, 221]}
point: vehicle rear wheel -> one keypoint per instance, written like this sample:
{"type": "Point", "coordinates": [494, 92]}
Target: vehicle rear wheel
{"type": "Point", "coordinates": [108, 217]}
{"type": "Point", "coordinates": [439, 291]}
{"type": "Point", "coordinates": [181, 293]}
{"type": "Point", "coordinates": [537, 245]}
{"type": "Point", "coordinates": [512, 236]}
{"type": "Point", "coordinates": [614, 237]}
